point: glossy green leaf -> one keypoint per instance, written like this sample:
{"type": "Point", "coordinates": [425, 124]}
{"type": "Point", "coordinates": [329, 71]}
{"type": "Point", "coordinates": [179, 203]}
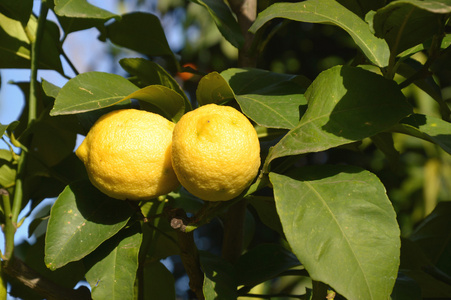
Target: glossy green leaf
{"type": "Point", "coordinates": [17, 10]}
{"type": "Point", "coordinates": [168, 102]}
{"type": "Point", "coordinates": [406, 23]}
{"type": "Point", "coordinates": [80, 220]}
{"type": "Point", "coordinates": [91, 91]}
{"type": "Point", "coordinates": [112, 267]}
{"type": "Point", "coordinates": [15, 44]}
{"type": "Point", "coordinates": [141, 32]}
{"type": "Point", "coordinates": [433, 236]}
{"type": "Point", "coordinates": [342, 227]}
{"type": "Point", "coordinates": [220, 277]}
{"type": "Point", "coordinates": [213, 88]}
{"type": "Point", "coordinates": [429, 128]}
{"type": "Point", "coordinates": [263, 262]}
{"type": "Point", "coordinates": [330, 12]}
{"type": "Point", "coordinates": [150, 73]}
{"type": "Point", "coordinates": [158, 282]}
{"type": "Point", "coordinates": [270, 99]}
{"type": "Point", "coordinates": [224, 19]}
{"type": "Point", "coordinates": [345, 104]}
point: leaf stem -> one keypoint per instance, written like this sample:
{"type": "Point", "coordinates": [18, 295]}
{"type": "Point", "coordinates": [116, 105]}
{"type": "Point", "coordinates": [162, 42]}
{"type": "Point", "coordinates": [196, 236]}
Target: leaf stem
{"type": "Point", "coordinates": [9, 228]}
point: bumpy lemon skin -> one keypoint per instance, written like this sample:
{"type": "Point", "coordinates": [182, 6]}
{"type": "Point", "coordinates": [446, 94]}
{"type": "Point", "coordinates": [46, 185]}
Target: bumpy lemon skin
{"type": "Point", "coordinates": [215, 152]}
{"type": "Point", "coordinates": [127, 155]}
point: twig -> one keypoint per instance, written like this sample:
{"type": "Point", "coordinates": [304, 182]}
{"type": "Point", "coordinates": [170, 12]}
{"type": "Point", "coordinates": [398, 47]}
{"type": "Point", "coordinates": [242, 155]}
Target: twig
{"type": "Point", "coordinates": [18, 270]}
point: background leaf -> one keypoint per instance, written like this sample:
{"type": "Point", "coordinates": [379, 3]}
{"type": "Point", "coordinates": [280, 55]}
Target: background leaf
{"type": "Point", "coordinates": [91, 91]}
{"type": "Point", "coordinates": [342, 227]}
{"type": "Point", "coordinates": [141, 32]}
{"type": "Point", "coordinates": [213, 88]}
{"type": "Point", "coordinates": [158, 282]}
{"type": "Point", "coordinates": [220, 278]}
{"type": "Point", "coordinates": [345, 104]}
{"type": "Point", "coordinates": [263, 262]}
{"type": "Point", "coordinates": [270, 99]}
{"type": "Point", "coordinates": [224, 19]}
{"type": "Point", "coordinates": [112, 267]}
{"type": "Point", "coordinates": [80, 220]}
{"type": "Point", "coordinates": [17, 10]}
{"type": "Point", "coordinates": [330, 12]}
{"type": "Point", "coordinates": [429, 128]}
{"type": "Point", "coordinates": [406, 23]}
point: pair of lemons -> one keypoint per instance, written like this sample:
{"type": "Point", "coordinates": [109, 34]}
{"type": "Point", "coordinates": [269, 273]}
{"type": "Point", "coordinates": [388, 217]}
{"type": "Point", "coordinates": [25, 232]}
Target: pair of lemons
{"type": "Point", "coordinates": [213, 151]}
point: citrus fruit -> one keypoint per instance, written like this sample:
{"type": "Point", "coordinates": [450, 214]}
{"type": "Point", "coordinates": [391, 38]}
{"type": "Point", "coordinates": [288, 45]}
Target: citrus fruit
{"type": "Point", "coordinates": [127, 155]}
{"type": "Point", "coordinates": [215, 152]}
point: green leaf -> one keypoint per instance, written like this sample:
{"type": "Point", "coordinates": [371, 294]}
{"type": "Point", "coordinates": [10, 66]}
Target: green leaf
{"type": "Point", "coordinates": [266, 210]}
{"type": "Point", "coordinates": [112, 267]}
{"type": "Point", "coordinates": [429, 128]}
{"type": "Point", "coordinates": [345, 104]}
{"type": "Point", "coordinates": [80, 220]}
{"type": "Point", "coordinates": [17, 10]}
{"type": "Point", "coordinates": [141, 32]}
{"type": "Point", "coordinates": [7, 169]}
{"type": "Point", "coordinates": [91, 91]}
{"type": "Point", "coordinates": [342, 227]}
{"type": "Point", "coordinates": [50, 89]}
{"type": "Point", "coordinates": [270, 99]}
{"type": "Point", "coordinates": [75, 15]}
{"type": "Point", "coordinates": [168, 102]}
{"type": "Point", "coordinates": [407, 23]}
{"type": "Point", "coordinates": [433, 236]}
{"type": "Point", "coordinates": [225, 21]}
{"type": "Point", "coordinates": [80, 9]}
{"type": "Point", "coordinates": [213, 88]}
{"type": "Point", "coordinates": [330, 12]}
{"type": "Point", "coordinates": [150, 73]}
{"type": "Point", "coordinates": [220, 277]}
{"type": "Point", "coordinates": [158, 282]}
{"type": "Point", "coordinates": [262, 263]}
{"type": "Point", "coordinates": [406, 289]}
{"type": "Point", "coordinates": [15, 44]}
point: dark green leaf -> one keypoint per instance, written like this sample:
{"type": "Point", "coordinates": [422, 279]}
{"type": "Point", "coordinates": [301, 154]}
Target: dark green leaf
{"type": "Point", "coordinates": [345, 104]}
{"type": "Point", "coordinates": [406, 23]}
{"type": "Point", "coordinates": [80, 220]}
{"type": "Point", "coordinates": [362, 7]}
{"type": "Point", "coordinates": [150, 73]}
{"type": "Point", "coordinates": [342, 227]}
{"type": "Point", "coordinates": [266, 210]}
{"type": "Point", "coordinates": [406, 289]}
{"type": "Point", "coordinates": [141, 32]}
{"type": "Point", "coordinates": [225, 21]}
{"type": "Point", "coordinates": [433, 236]}
{"type": "Point", "coordinates": [429, 128]}
{"type": "Point", "coordinates": [220, 277]}
{"type": "Point", "coordinates": [112, 267]}
{"type": "Point", "coordinates": [431, 288]}
{"type": "Point", "coordinates": [158, 282]}
{"type": "Point", "coordinates": [91, 91]}
{"type": "Point", "coordinates": [213, 88]}
{"type": "Point", "coordinates": [264, 262]}
{"type": "Point", "coordinates": [270, 99]}
{"type": "Point", "coordinates": [17, 10]}
{"type": "Point", "coordinates": [330, 12]}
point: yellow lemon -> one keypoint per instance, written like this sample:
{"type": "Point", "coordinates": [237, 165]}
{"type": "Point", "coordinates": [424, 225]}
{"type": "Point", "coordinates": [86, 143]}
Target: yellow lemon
{"type": "Point", "coordinates": [215, 152]}
{"type": "Point", "coordinates": [127, 155]}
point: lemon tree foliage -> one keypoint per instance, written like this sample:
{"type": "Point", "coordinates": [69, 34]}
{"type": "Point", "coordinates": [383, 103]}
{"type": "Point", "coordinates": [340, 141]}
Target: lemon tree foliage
{"type": "Point", "coordinates": [312, 142]}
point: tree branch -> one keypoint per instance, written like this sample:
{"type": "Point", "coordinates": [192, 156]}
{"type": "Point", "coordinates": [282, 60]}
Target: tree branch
{"type": "Point", "coordinates": [18, 270]}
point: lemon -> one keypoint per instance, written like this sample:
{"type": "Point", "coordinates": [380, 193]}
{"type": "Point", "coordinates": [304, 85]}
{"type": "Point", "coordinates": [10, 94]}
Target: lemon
{"type": "Point", "coordinates": [215, 152]}
{"type": "Point", "coordinates": [127, 155]}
